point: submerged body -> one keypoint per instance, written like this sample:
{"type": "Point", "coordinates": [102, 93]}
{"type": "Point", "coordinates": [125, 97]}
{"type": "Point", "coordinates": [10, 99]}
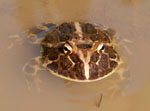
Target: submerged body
{"type": "Point", "coordinates": [80, 52]}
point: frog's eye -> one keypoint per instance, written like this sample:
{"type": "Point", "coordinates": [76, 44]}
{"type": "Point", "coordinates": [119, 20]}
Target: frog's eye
{"type": "Point", "coordinates": [100, 48]}
{"type": "Point", "coordinates": [67, 48]}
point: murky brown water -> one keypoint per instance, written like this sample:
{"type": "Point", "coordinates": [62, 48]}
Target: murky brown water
{"type": "Point", "coordinates": [131, 20]}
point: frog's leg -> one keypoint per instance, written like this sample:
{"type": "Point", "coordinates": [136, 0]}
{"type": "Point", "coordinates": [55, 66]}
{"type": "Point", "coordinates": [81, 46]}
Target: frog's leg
{"type": "Point", "coordinates": [123, 69]}
{"type": "Point", "coordinates": [31, 70]}
{"type": "Point", "coordinates": [123, 43]}
{"type": "Point", "coordinates": [124, 74]}
{"type": "Point", "coordinates": [33, 35]}
{"type": "Point", "coordinates": [15, 39]}
{"type": "Point", "coordinates": [117, 41]}
{"type": "Point", "coordinates": [120, 85]}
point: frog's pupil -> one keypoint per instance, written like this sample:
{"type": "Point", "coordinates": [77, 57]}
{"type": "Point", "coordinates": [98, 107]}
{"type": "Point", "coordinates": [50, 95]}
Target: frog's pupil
{"type": "Point", "coordinates": [65, 48]}
{"type": "Point", "coordinates": [102, 48]}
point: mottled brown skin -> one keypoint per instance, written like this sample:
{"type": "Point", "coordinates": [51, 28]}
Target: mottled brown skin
{"type": "Point", "coordinates": [68, 63]}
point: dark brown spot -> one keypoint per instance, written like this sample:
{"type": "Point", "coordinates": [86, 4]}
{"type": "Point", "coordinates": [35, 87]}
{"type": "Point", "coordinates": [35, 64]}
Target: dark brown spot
{"type": "Point", "coordinates": [61, 48]}
{"type": "Point", "coordinates": [103, 36]}
{"type": "Point", "coordinates": [106, 39]}
{"type": "Point", "coordinates": [49, 38]}
{"type": "Point", "coordinates": [95, 37]}
{"type": "Point", "coordinates": [65, 62]}
{"type": "Point", "coordinates": [53, 66]}
{"type": "Point", "coordinates": [84, 46]}
{"type": "Point", "coordinates": [79, 71]}
{"type": "Point", "coordinates": [65, 37]}
{"type": "Point", "coordinates": [112, 55]}
{"type": "Point", "coordinates": [45, 50]}
{"type": "Point", "coordinates": [63, 73]}
{"type": "Point", "coordinates": [94, 73]}
{"type": "Point", "coordinates": [102, 73]}
{"type": "Point", "coordinates": [110, 51]}
{"type": "Point", "coordinates": [72, 75]}
{"type": "Point", "coordinates": [113, 64]}
{"type": "Point", "coordinates": [52, 37]}
{"type": "Point", "coordinates": [110, 32]}
{"type": "Point", "coordinates": [67, 28]}
{"type": "Point", "coordinates": [88, 28]}
{"type": "Point", "coordinates": [95, 57]}
{"type": "Point", "coordinates": [52, 53]}
{"type": "Point", "coordinates": [104, 61]}
{"type": "Point", "coordinates": [67, 73]}
{"type": "Point", "coordinates": [75, 58]}
{"type": "Point", "coordinates": [105, 72]}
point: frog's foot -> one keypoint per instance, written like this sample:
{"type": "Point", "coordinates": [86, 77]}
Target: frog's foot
{"type": "Point", "coordinates": [124, 76]}
{"type": "Point", "coordinates": [34, 35]}
{"type": "Point", "coordinates": [31, 72]}
{"type": "Point", "coordinates": [120, 86]}
{"type": "Point", "coordinates": [15, 39]}
{"type": "Point", "coordinates": [119, 42]}
{"type": "Point", "coordinates": [119, 81]}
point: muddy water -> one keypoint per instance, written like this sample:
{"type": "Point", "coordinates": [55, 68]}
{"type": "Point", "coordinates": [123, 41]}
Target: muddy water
{"type": "Point", "coordinates": [130, 18]}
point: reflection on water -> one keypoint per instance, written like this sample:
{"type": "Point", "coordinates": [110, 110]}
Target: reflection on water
{"type": "Point", "coordinates": [131, 22]}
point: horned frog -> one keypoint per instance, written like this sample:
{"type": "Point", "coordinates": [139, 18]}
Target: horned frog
{"type": "Point", "coordinates": [76, 51]}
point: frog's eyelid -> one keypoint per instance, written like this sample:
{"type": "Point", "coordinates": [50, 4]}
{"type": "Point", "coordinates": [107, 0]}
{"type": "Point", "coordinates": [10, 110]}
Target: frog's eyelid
{"type": "Point", "coordinates": [100, 47]}
{"type": "Point", "coordinates": [68, 47]}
